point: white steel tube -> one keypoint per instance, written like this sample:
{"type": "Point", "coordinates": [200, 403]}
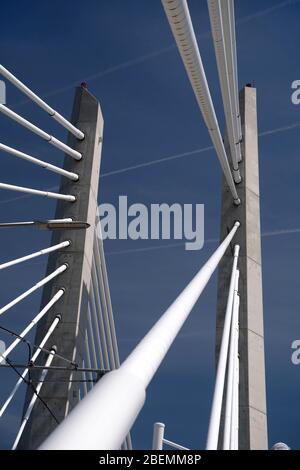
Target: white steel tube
{"type": "Point", "coordinates": [223, 54]}
{"type": "Point", "coordinates": [103, 419]}
{"type": "Point", "coordinates": [230, 373]}
{"type": "Point", "coordinates": [158, 436]}
{"type": "Point", "coordinates": [235, 68]}
{"type": "Point", "coordinates": [33, 359]}
{"type": "Point", "coordinates": [36, 286]}
{"type": "Point", "coordinates": [234, 436]}
{"type": "Point", "coordinates": [22, 189]}
{"type": "Point", "coordinates": [36, 130]}
{"type": "Point", "coordinates": [44, 251]}
{"type": "Point", "coordinates": [36, 319]}
{"type": "Point", "coordinates": [181, 25]}
{"type": "Point", "coordinates": [227, 11]}
{"type": "Point", "coordinates": [215, 415]}
{"type": "Point", "coordinates": [60, 119]}
{"type": "Point", "coordinates": [36, 161]}
{"type": "Point", "coordinates": [34, 397]}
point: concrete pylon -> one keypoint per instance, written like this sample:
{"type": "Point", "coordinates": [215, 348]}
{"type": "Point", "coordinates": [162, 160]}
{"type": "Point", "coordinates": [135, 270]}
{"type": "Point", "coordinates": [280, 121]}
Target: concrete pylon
{"type": "Point", "coordinates": [58, 392]}
{"type": "Point", "coordinates": [252, 389]}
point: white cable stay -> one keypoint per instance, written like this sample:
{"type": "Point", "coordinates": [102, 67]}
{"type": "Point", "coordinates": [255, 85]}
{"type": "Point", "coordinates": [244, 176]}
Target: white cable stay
{"type": "Point", "coordinates": [38, 223]}
{"type": "Point", "coordinates": [181, 25]}
{"type": "Point", "coordinates": [109, 410]}
{"type": "Point", "coordinates": [44, 251]}
{"type": "Point", "coordinates": [36, 161]}
{"type": "Point", "coordinates": [234, 434]}
{"type": "Point", "coordinates": [36, 286]}
{"type": "Point", "coordinates": [29, 327]}
{"type": "Point", "coordinates": [232, 379]}
{"type": "Point", "coordinates": [223, 52]}
{"type": "Point", "coordinates": [235, 81]}
{"type": "Point", "coordinates": [38, 192]}
{"type": "Point", "coordinates": [34, 397]}
{"type": "Point", "coordinates": [33, 359]}
{"type": "Point", "coordinates": [36, 130]}
{"type": "Point", "coordinates": [215, 415]}
{"type": "Point", "coordinates": [58, 117]}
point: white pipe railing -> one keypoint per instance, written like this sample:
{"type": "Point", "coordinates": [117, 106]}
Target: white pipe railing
{"type": "Point", "coordinates": [44, 251]}
{"type": "Point", "coordinates": [36, 130]}
{"type": "Point", "coordinates": [105, 416]}
{"type": "Point", "coordinates": [33, 359]}
{"type": "Point", "coordinates": [223, 52]}
{"type": "Point", "coordinates": [230, 372]}
{"type": "Point", "coordinates": [34, 397]}
{"type": "Point", "coordinates": [215, 416]}
{"type": "Point", "coordinates": [28, 328]}
{"type": "Point", "coordinates": [36, 161]}
{"type": "Point", "coordinates": [58, 117]}
{"type": "Point", "coordinates": [159, 439]}
{"type": "Point", "coordinates": [38, 192]}
{"type": "Point", "coordinates": [36, 286]}
{"type": "Point", "coordinates": [181, 25]}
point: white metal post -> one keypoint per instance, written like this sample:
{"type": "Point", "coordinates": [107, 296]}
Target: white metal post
{"type": "Point", "coordinates": [158, 436]}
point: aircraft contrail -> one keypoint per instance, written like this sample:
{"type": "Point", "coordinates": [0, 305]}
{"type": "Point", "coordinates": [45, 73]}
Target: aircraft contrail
{"type": "Point", "coordinates": [164, 159]}
{"type": "Point", "coordinates": [192, 152]}
{"type": "Point", "coordinates": [272, 233]}
{"type": "Point", "coordinates": [151, 55]}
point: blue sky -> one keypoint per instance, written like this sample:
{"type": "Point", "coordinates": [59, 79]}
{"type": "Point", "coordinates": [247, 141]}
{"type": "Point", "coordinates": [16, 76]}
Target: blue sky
{"type": "Point", "coordinates": [126, 53]}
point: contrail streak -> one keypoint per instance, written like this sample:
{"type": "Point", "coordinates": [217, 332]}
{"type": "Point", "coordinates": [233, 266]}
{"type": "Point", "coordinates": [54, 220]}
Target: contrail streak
{"type": "Point", "coordinates": [273, 233]}
{"type": "Point", "coordinates": [192, 152]}
{"type": "Point", "coordinates": [154, 162]}
{"type": "Point", "coordinates": [151, 55]}
{"type": "Point", "coordinates": [161, 160]}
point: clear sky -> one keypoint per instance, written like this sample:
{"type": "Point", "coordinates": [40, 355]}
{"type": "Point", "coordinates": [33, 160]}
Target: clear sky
{"type": "Point", "coordinates": [125, 51]}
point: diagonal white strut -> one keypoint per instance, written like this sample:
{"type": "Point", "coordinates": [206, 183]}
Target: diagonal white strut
{"type": "Point", "coordinates": [181, 25]}
{"type": "Point", "coordinates": [104, 417]}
